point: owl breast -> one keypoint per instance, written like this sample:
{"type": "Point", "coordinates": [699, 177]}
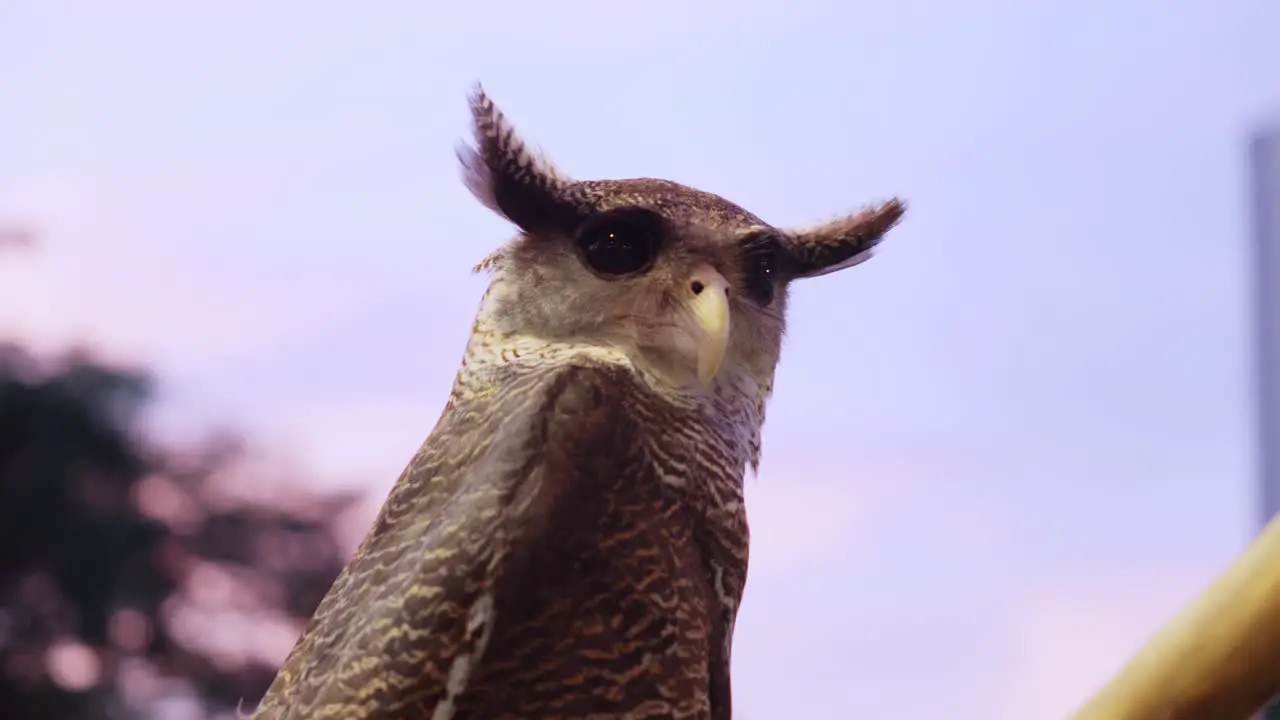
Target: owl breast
{"type": "Point", "coordinates": [641, 580]}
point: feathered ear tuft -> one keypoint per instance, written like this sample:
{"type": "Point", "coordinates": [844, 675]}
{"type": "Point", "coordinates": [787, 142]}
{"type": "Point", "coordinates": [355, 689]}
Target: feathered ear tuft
{"type": "Point", "coordinates": [841, 243]}
{"type": "Point", "coordinates": [511, 179]}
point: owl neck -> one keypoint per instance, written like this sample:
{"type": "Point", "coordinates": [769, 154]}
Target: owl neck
{"type": "Point", "coordinates": [733, 405]}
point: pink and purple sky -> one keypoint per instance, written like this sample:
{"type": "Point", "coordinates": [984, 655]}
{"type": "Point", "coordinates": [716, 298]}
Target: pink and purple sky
{"type": "Point", "coordinates": [999, 456]}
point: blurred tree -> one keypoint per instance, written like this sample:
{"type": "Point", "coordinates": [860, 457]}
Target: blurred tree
{"type": "Point", "coordinates": [138, 580]}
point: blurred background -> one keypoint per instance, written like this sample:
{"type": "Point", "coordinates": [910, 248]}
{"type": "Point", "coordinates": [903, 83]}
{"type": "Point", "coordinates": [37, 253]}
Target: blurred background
{"type": "Point", "coordinates": [234, 290]}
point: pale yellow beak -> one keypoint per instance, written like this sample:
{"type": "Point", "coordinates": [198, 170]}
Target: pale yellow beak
{"type": "Point", "coordinates": [708, 297]}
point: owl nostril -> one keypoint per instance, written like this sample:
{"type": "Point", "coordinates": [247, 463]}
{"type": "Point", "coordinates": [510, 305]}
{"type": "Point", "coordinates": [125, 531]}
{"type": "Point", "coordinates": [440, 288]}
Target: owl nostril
{"type": "Point", "coordinates": [697, 286]}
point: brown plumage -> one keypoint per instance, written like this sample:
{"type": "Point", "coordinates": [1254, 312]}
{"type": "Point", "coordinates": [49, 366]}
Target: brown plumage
{"type": "Point", "coordinates": [571, 541]}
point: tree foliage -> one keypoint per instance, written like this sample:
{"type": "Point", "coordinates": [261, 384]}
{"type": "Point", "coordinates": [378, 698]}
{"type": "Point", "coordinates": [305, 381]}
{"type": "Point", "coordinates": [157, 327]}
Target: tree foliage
{"type": "Point", "coordinates": [134, 574]}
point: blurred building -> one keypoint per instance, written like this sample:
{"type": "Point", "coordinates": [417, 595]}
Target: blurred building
{"type": "Point", "coordinates": [1265, 181]}
{"type": "Point", "coordinates": [1264, 162]}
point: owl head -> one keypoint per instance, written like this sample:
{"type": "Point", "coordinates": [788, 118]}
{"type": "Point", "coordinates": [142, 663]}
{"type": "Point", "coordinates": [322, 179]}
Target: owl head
{"type": "Point", "coordinates": [688, 285]}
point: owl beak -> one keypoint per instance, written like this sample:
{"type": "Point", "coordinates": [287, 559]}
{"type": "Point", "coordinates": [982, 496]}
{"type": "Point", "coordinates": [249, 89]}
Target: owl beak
{"type": "Point", "coordinates": [709, 300]}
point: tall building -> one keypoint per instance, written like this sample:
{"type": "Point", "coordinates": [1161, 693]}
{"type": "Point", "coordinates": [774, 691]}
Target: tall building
{"type": "Point", "coordinates": [1265, 170]}
{"type": "Point", "coordinates": [1264, 162]}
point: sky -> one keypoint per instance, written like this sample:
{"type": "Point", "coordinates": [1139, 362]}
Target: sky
{"type": "Point", "coordinates": [999, 456]}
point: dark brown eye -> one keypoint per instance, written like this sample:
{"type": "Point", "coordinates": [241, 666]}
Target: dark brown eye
{"type": "Point", "coordinates": [620, 243]}
{"type": "Point", "coordinates": [760, 268]}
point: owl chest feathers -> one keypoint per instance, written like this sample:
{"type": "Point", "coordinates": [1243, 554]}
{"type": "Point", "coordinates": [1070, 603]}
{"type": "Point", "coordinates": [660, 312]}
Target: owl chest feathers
{"type": "Point", "coordinates": [699, 439]}
{"type": "Point", "coordinates": [662, 515]}
{"type": "Point", "coordinates": [695, 446]}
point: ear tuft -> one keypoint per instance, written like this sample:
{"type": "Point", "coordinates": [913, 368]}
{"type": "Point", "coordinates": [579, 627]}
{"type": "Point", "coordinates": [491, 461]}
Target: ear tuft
{"type": "Point", "coordinates": [511, 179]}
{"type": "Point", "coordinates": [841, 243]}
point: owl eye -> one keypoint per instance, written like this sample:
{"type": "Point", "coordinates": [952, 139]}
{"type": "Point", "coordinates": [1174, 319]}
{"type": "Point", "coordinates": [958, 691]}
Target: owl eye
{"type": "Point", "coordinates": [620, 243]}
{"type": "Point", "coordinates": [760, 268]}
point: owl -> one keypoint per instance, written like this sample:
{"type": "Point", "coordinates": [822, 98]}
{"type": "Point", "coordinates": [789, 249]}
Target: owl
{"type": "Point", "coordinates": [570, 541]}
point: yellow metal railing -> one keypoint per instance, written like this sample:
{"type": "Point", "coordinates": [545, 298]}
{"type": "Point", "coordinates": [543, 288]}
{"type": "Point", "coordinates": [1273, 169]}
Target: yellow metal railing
{"type": "Point", "coordinates": [1219, 659]}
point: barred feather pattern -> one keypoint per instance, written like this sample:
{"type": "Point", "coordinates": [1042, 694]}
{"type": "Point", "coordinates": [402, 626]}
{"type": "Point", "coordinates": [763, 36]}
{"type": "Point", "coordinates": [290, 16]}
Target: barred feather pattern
{"type": "Point", "coordinates": [569, 542]}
